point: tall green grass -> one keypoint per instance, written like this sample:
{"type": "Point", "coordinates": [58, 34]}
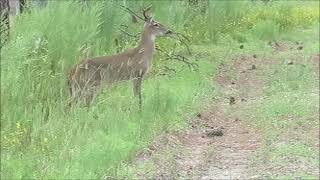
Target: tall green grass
{"type": "Point", "coordinates": [40, 139]}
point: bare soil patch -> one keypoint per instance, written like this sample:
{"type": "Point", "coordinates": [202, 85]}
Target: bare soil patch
{"type": "Point", "coordinates": [234, 150]}
{"type": "Point", "coordinates": [281, 46]}
{"type": "Point", "coordinates": [220, 143]}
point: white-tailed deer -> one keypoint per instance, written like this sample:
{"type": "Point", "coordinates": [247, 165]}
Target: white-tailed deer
{"type": "Point", "coordinates": [86, 77]}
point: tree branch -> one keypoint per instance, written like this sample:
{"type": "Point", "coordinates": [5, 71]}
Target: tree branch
{"type": "Point", "coordinates": [129, 34]}
{"type": "Point", "coordinates": [183, 40]}
{"type": "Point", "coordinates": [178, 57]}
{"type": "Point", "coordinates": [132, 12]}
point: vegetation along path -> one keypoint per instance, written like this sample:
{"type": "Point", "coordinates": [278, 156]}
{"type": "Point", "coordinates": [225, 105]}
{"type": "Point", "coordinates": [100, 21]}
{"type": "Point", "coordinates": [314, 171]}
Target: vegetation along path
{"type": "Point", "coordinates": [226, 139]}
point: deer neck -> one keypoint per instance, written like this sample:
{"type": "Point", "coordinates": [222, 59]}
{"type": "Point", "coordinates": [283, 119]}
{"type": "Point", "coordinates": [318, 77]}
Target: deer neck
{"type": "Point", "coordinates": [147, 42]}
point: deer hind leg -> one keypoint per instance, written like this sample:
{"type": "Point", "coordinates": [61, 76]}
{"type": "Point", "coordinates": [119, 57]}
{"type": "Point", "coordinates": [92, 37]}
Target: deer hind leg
{"type": "Point", "coordinates": [90, 82]}
{"type": "Point", "coordinates": [75, 87]}
{"type": "Point", "coordinates": [89, 95]}
{"type": "Point", "coordinates": [75, 94]}
{"type": "Point", "coordinates": [137, 90]}
{"type": "Point", "coordinates": [90, 89]}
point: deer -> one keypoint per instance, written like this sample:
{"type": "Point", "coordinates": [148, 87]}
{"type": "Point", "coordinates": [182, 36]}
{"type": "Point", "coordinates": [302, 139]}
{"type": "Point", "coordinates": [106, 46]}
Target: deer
{"type": "Point", "coordinates": [132, 64]}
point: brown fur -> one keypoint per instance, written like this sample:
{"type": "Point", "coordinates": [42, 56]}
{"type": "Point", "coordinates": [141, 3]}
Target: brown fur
{"type": "Point", "coordinates": [88, 76]}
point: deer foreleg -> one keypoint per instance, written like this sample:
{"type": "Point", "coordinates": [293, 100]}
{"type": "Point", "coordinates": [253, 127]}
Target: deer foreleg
{"type": "Point", "coordinates": [137, 89]}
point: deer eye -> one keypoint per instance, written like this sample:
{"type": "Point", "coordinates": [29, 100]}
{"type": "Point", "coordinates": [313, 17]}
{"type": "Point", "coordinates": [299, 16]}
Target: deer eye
{"type": "Point", "coordinates": [156, 25]}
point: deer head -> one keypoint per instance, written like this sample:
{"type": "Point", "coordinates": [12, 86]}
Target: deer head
{"type": "Point", "coordinates": [154, 27]}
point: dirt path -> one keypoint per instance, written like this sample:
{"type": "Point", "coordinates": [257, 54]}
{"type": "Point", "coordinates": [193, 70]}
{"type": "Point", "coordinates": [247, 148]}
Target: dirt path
{"type": "Point", "coordinates": [236, 147]}
{"type": "Point", "coordinates": [221, 143]}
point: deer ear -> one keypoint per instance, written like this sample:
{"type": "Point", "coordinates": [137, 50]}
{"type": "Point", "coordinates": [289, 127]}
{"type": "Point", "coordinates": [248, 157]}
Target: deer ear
{"type": "Point", "coordinates": [134, 19]}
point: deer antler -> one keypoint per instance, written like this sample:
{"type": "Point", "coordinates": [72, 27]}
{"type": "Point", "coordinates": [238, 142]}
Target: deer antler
{"type": "Point", "coordinates": [145, 12]}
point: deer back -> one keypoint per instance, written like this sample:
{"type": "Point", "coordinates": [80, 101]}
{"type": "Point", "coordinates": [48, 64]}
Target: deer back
{"type": "Point", "coordinates": [124, 66]}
